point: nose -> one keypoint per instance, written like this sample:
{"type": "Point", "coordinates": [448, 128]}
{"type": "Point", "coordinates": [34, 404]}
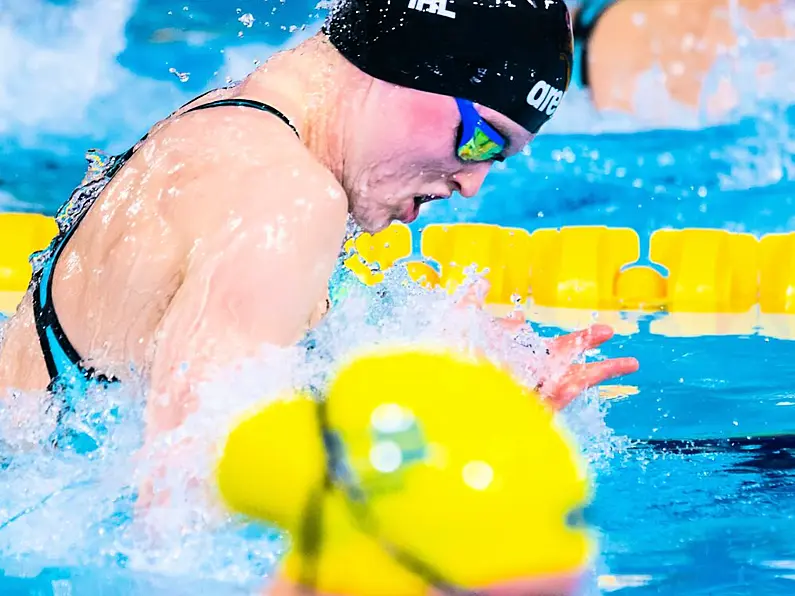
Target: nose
{"type": "Point", "coordinates": [470, 178]}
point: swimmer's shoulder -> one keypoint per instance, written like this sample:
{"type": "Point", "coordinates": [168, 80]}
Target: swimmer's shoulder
{"type": "Point", "coordinates": [231, 163]}
{"type": "Point", "coordinates": [299, 191]}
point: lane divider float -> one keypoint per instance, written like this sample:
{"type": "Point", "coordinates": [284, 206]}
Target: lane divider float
{"type": "Point", "coordinates": [713, 281]}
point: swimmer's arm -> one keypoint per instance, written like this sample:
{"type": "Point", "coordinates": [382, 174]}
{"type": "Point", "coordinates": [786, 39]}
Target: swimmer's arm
{"type": "Point", "coordinates": [258, 284]}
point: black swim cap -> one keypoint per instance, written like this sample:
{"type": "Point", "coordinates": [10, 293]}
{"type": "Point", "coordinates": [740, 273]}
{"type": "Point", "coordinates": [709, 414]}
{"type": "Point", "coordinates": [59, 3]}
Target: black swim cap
{"type": "Point", "coordinates": [513, 56]}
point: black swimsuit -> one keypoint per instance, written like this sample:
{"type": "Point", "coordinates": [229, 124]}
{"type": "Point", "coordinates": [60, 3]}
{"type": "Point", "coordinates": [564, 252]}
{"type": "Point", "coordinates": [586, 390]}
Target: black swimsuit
{"type": "Point", "coordinates": [69, 377]}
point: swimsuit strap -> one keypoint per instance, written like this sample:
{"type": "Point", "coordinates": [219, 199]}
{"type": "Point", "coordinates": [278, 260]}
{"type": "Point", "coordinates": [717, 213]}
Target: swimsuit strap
{"type": "Point", "coordinates": [56, 348]}
{"type": "Point", "coordinates": [219, 103]}
{"type": "Point", "coordinates": [246, 103]}
{"type": "Point", "coordinates": [59, 353]}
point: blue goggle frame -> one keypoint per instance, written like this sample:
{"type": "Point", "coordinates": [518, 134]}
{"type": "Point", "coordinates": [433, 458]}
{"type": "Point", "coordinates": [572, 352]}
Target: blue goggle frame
{"type": "Point", "coordinates": [477, 140]}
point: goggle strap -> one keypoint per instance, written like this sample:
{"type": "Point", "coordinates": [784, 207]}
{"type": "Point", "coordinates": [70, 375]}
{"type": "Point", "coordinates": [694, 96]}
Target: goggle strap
{"type": "Point", "coordinates": [311, 531]}
{"type": "Point", "coordinates": [311, 540]}
{"type": "Point", "coordinates": [312, 526]}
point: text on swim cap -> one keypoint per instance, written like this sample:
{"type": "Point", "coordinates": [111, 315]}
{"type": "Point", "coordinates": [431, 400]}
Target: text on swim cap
{"type": "Point", "coordinates": [544, 97]}
{"type": "Point", "coordinates": [433, 6]}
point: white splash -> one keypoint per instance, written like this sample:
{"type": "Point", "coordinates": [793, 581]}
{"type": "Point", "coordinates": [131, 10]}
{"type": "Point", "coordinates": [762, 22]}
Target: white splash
{"type": "Point", "coordinates": [59, 74]}
{"type": "Point", "coordinates": [76, 511]}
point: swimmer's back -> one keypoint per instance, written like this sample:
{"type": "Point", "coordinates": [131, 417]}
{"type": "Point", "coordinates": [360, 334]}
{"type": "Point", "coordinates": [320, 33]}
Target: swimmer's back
{"type": "Point", "coordinates": [198, 183]}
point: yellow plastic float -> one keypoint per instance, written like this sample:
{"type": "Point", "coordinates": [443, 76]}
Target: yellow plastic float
{"type": "Point", "coordinates": [717, 282]}
{"type": "Point", "coordinates": [593, 267]}
{"type": "Point", "coordinates": [20, 235]}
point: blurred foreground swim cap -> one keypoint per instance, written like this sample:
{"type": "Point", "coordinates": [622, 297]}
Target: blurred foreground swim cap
{"type": "Point", "coordinates": [422, 468]}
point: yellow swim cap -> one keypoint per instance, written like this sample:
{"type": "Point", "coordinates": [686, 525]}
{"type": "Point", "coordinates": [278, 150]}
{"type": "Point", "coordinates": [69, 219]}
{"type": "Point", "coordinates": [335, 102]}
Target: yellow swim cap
{"type": "Point", "coordinates": [422, 468]}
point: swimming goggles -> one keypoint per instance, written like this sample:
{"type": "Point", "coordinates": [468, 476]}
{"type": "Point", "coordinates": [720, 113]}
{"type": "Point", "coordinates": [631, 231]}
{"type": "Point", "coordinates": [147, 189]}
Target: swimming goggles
{"type": "Point", "coordinates": [477, 140]}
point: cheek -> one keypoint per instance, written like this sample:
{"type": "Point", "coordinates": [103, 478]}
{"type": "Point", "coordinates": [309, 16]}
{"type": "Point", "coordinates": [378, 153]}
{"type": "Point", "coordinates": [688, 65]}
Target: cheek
{"type": "Point", "coordinates": [431, 147]}
{"type": "Point", "coordinates": [430, 126]}
{"type": "Point", "coordinates": [410, 140]}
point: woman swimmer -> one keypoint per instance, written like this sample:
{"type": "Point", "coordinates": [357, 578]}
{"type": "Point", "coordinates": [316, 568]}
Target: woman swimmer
{"type": "Point", "coordinates": [219, 231]}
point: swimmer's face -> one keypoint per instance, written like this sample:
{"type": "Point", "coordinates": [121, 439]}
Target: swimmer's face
{"type": "Point", "coordinates": [403, 155]}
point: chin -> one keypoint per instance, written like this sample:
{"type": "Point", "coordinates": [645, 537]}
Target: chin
{"type": "Point", "coordinates": [374, 228]}
{"type": "Point", "coordinates": [369, 225]}
{"type": "Point", "coordinates": [370, 222]}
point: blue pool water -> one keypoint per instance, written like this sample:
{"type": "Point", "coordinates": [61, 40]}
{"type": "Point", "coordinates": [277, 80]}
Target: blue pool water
{"type": "Point", "coordinates": [712, 517]}
{"type": "Point", "coordinates": [686, 503]}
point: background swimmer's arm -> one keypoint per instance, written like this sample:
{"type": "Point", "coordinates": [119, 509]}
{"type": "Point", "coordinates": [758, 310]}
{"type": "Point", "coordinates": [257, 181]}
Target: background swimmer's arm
{"type": "Point", "coordinates": [683, 39]}
{"type": "Point", "coordinates": [247, 285]}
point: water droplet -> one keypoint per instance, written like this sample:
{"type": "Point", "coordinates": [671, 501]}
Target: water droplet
{"type": "Point", "coordinates": [478, 475]}
{"type": "Point", "coordinates": [247, 19]}
{"type": "Point", "coordinates": [182, 76]}
{"type": "Point", "coordinates": [386, 456]}
{"type": "Point", "coordinates": [391, 418]}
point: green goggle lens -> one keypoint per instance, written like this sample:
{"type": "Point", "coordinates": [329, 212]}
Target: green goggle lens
{"type": "Point", "coordinates": [480, 147]}
{"type": "Point", "coordinates": [477, 140]}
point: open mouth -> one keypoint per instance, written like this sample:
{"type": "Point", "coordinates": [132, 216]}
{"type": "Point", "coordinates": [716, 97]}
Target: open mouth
{"type": "Point", "coordinates": [422, 199]}
{"type": "Point", "coordinates": [419, 200]}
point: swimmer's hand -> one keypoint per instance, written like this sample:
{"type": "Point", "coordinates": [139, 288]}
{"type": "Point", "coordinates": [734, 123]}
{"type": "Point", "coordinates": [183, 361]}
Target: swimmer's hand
{"type": "Point", "coordinates": [562, 380]}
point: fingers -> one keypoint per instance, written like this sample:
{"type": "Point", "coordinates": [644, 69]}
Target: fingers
{"type": "Point", "coordinates": [580, 377]}
{"type": "Point", "coordinates": [475, 294]}
{"type": "Point", "coordinates": [583, 376]}
{"type": "Point", "coordinates": [565, 349]}
{"type": "Point", "coordinates": [514, 321]}
{"type": "Point", "coordinates": [571, 345]}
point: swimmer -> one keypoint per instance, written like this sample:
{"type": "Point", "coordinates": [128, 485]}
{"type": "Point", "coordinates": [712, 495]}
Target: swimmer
{"type": "Point", "coordinates": [619, 41]}
{"type": "Point", "coordinates": [218, 232]}
{"type": "Point", "coordinates": [455, 480]}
